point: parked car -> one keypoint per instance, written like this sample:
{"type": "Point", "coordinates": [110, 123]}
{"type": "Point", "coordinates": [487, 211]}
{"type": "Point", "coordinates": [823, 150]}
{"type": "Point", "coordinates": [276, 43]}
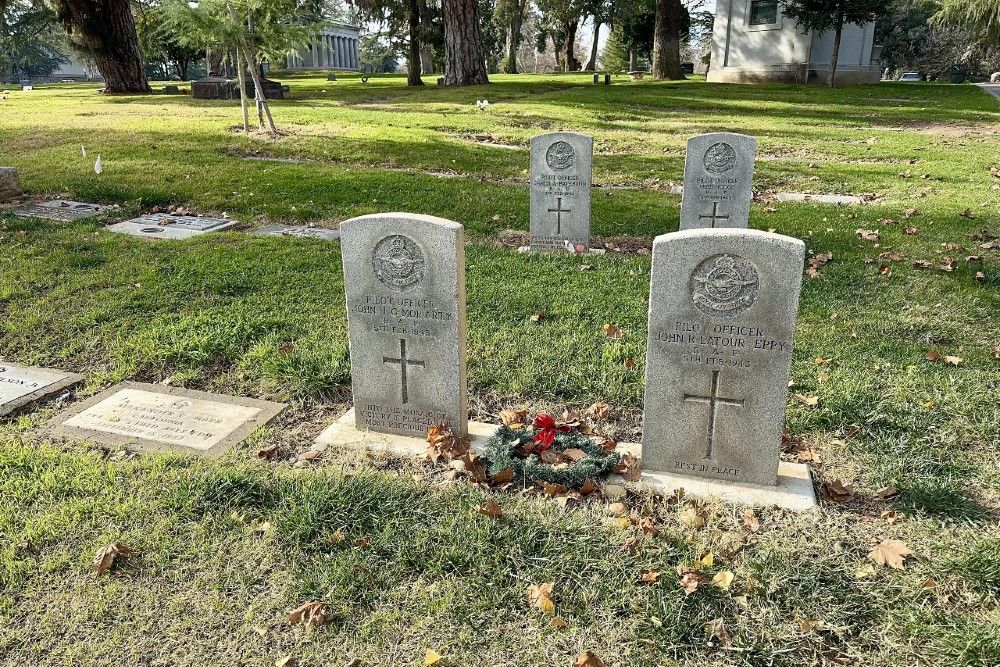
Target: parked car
{"type": "Point", "coordinates": [910, 76]}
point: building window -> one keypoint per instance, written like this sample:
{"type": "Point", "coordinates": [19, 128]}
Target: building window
{"type": "Point", "coordinates": [763, 12]}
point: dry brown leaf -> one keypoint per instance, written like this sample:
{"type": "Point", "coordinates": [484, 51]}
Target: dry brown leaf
{"type": "Point", "coordinates": [505, 476]}
{"type": "Point", "coordinates": [588, 659]}
{"type": "Point", "coordinates": [612, 332]}
{"type": "Point", "coordinates": [809, 401]}
{"type": "Point", "coordinates": [628, 467]}
{"type": "Point", "coordinates": [599, 411]}
{"type": "Point", "coordinates": [311, 614]}
{"type": "Point", "coordinates": [540, 596]}
{"type": "Point", "coordinates": [885, 493]}
{"type": "Point", "coordinates": [588, 487]}
{"type": "Point", "coordinates": [617, 509]}
{"type": "Point", "coordinates": [891, 552]}
{"type": "Point", "coordinates": [689, 580]}
{"type": "Point", "coordinates": [105, 558]}
{"type": "Point", "coordinates": [750, 520]}
{"type": "Point", "coordinates": [806, 625]}
{"type": "Point", "coordinates": [835, 491]}
{"type": "Point", "coordinates": [491, 508]}
{"type": "Point", "coordinates": [909, 212]}
{"type": "Point", "coordinates": [911, 231]}
{"type": "Point", "coordinates": [557, 623]}
{"type": "Point", "coordinates": [572, 454]}
{"type": "Point", "coordinates": [553, 490]}
{"type": "Point", "coordinates": [816, 262]}
{"type": "Point", "coordinates": [443, 444]}
{"type": "Point", "coordinates": [268, 453]}
{"type": "Point", "coordinates": [891, 518]}
{"type": "Point", "coordinates": [514, 418]}
{"type": "Point", "coordinates": [716, 629]}
{"type": "Point", "coordinates": [650, 527]}
{"type": "Point", "coordinates": [537, 317]}
{"type": "Point", "coordinates": [868, 235]}
{"type": "Point", "coordinates": [648, 576]}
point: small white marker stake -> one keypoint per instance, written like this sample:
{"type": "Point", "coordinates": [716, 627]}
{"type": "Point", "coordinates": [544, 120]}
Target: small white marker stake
{"type": "Point", "coordinates": [98, 165]}
{"type": "Point", "coordinates": [83, 150]}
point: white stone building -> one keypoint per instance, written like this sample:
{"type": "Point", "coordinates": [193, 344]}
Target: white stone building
{"type": "Point", "coordinates": [752, 41]}
{"type": "Point", "coordinates": [336, 48]}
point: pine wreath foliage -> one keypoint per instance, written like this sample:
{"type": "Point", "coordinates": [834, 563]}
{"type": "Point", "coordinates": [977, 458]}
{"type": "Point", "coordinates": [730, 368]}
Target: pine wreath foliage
{"type": "Point", "coordinates": [503, 451]}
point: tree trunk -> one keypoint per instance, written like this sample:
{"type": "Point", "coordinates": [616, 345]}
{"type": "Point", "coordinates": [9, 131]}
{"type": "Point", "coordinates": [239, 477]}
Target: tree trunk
{"type": "Point", "coordinates": [514, 38]}
{"type": "Point", "coordinates": [836, 47]}
{"type": "Point", "coordinates": [214, 63]}
{"type": "Point", "coordinates": [106, 30]}
{"type": "Point", "coordinates": [413, 64]}
{"type": "Point", "coordinates": [633, 60]}
{"type": "Point", "coordinates": [591, 65]}
{"type": "Point", "coordinates": [241, 73]}
{"type": "Point", "coordinates": [572, 64]}
{"type": "Point", "coordinates": [667, 41]}
{"type": "Point", "coordinates": [464, 53]}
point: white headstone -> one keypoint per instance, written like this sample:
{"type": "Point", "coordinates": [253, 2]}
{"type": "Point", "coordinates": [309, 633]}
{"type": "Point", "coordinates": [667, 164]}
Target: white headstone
{"type": "Point", "coordinates": [21, 385]}
{"type": "Point", "coordinates": [561, 166]}
{"type": "Point", "coordinates": [404, 277]}
{"type": "Point", "coordinates": [718, 181]}
{"type": "Point", "coordinates": [722, 312]}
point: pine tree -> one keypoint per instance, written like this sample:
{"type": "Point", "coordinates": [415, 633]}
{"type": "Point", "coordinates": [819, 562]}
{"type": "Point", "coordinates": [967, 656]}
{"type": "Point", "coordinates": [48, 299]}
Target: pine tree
{"type": "Point", "coordinates": [614, 58]}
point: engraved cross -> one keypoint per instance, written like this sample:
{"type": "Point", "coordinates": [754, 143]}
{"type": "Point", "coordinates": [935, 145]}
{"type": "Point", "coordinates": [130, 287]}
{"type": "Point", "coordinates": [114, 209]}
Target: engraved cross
{"type": "Point", "coordinates": [714, 215]}
{"type": "Point", "coordinates": [559, 210]}
{"type": "Point", "coordinates": [714, 401]}
{"type": "Point", "coordinates": [403, 363]}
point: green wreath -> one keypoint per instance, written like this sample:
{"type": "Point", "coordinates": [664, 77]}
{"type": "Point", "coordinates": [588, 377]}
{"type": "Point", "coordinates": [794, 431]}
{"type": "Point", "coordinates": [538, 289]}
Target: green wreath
{"type": "Point", "coordinates": [505, 450]}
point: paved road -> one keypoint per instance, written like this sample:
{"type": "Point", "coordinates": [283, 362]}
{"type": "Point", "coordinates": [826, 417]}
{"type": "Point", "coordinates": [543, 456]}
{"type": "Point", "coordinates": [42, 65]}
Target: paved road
{"type": "Point", "coordinates": [991, 88]}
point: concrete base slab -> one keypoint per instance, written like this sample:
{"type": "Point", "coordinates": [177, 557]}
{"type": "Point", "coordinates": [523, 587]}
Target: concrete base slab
{"type": "Point", "coordinates": [345, 433]}
{"type": "Point", "coordinates": [61, 210]}
{"type": "Point", "coordinates": [588, 251]}
{"type": "Point", "coordinates": [794, 490]}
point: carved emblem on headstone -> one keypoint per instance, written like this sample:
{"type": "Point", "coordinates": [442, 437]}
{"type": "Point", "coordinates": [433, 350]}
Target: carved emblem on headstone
{"type": "Point", "coordinates": [720, 158]}
{"type": "Point", "coordinates": [724, 286]}
{"type": "Point", "coordinates": [398, 262]}
{"type": "Point", "coordinates": [560, 156]}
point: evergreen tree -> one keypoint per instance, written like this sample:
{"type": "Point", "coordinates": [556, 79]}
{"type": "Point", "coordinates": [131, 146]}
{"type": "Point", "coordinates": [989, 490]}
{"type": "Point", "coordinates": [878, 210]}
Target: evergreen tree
{"type": "Point", "coordinates": [614, 58]}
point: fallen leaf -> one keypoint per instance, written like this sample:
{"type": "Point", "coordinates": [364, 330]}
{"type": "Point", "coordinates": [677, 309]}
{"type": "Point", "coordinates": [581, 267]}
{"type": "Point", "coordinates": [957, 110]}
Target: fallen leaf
{"type": "Point", "coordinates": [432, 657]}
{"type": "Point", "coordinates": [723, 579]}
{"type": "Point", "coordinates": [750, 520]}
{"type": "Point", "coordinates": [809, 401]}
{"type": "Point", "coordinates": [911, 231]}
{"type": "Point", "coordinates": [268, 453]}
{"type": "Point", "coordinates": [692, 518]}
{"type": "Point", "coordinates": [909, 212]}
{"type": "Point", "coordinates": [557, 623]}
{"type": "Point", "coordinates": [953, 361]}
{"type": "Point", "coordinates": [617, 509]}
{"type": "Point", "coordinates": [835, 491]}
{"type": "Point", "coordinates": [588, 659]}
{"type": "Point", "coordinates": [706, 561]}
{"type": "Point", "coordinates": [868, 235]}
{"type": "Point", "coordinates": [808, 626]}
{"type": "Point", "coordinates": [599, 411]}
{"type": "Point", "coordinates": [311, 614]}
{"type": "Point", "coordinates": [287, 661]}
{"type": "Point", "coordinates": [816, 262]}
{"type": "Point", "coordinates": [648, 576]}
{"type": "Point", "coordinates": [505, 476]}
{"type": "Point", "coordinates": [650, 527]}
{"type": "Point", "coordinates": [628, 467]}
{"type": "Point", "coordinates": [443, 444]}
{"type": "Point", "coordinates": [491, 508]}
{"type": "Point", "coordinates": [612, 332]}
{"type": "Point", "coordinates": [540, 596]}
{"type": "Point", "coordinates": [885, 493]}
{"type": "Point", "coordinates": [537, 317]}
{"type": "Point", "coordinates": [105, 558]}
{"type": "Point", "coordinates": [689, 581]}
{"type": "Point", "coordinates": [514, 418]}
{"type": "Point", "coordinates": [891, 553]}
{"type": "Point", "coordinates": [865, 572]}
{"type": "Point", "coordinates": [573, 455]}
{"type": "Point", "coordinates": [553, 490]}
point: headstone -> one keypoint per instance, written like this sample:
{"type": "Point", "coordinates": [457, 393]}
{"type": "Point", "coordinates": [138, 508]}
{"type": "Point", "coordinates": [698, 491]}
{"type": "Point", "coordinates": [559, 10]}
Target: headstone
{"type": "Point", "coordinates": [561, 164]}
{"type": "Point", "coordinates": [723, 304]}
{"type": "Point", "coordinates": [687, 68]}
{"type": "Point", "coordinates": [170, 226]}
{"type": "Point", "coordinates": [10, 183]}
{"type": "Point", "coordinates": [404, 277]}
{"type": "Point", "coordinates": [214, 88]}
{"type": "Point", "coordinates": [171, 89]}
{"type": "Point", "coordinates": [159, 418]}
{"type": "Point", "coordinates": [21, 385]}
{"type": "Point", "coordinates": [61, 210]}
{"type": "Point", "coordinates": [303, 232]}
{"type": "Point", "coordinates": [718, 180]}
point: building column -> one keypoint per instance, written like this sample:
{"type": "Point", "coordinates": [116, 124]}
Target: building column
{"type": "Point", "coordinates": [352, 45]}
{"type": "Point", "coordinates": [340, 52]}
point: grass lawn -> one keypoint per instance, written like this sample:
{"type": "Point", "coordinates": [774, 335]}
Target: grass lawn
{"type": "Point", "coordinates": [228, 548]}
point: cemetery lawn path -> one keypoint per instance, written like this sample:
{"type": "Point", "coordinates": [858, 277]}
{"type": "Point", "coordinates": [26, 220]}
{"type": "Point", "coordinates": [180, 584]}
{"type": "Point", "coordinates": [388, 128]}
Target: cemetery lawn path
{"type": "Point", "coordinates": [896, 382]}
